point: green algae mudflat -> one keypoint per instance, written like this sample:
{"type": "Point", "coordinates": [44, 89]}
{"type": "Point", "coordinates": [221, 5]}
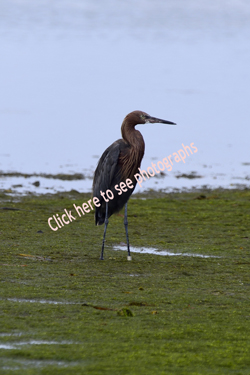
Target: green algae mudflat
{"type": "Point", "coordinates": [63, 311]}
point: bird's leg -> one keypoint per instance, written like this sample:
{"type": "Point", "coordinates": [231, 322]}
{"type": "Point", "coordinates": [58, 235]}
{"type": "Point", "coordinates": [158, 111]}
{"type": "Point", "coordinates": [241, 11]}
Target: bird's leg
{"type": "Point", "coordinates": [126, 229]}
{"type": "Point", "coordinates": [105, 228]}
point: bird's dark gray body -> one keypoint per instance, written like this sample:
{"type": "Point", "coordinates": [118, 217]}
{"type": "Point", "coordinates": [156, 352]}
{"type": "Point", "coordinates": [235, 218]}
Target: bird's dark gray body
{"type": "Point", "coordinates": [120, 162]}
{"type": "Point", "coordinates": [107, 175]}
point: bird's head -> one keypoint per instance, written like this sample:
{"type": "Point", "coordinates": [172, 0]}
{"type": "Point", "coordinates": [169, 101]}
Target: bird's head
{"type": "Point", "coordinates": [139, 117]}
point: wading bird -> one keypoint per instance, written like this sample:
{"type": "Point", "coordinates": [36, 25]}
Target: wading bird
{"type": "Point", "coordinates": [118, 163]}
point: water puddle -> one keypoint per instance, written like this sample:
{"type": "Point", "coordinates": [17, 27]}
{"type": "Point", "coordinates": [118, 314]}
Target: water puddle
{"type": "Point", "coordinates": [42, 301]}
{"type": "Point", "coordinates": [151, 250]}
{"type": "Point", "coordinates": [17, 345]}
{"type": "Point", "coordinates": [134, 275]}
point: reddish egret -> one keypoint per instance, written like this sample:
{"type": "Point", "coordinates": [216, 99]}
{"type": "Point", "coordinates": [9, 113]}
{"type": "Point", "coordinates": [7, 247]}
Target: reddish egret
{"type": "Point", "coordinates": [118, 164]}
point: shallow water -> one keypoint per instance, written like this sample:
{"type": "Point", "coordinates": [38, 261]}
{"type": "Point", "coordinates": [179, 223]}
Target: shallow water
{"type": "Point", "coordinates": [73, 70]}
{"type": "Point", "coordinates": [151, 250]}
{"type": "Point", "coordinates": [42, 301]}
{"type": "Point", "coordinates": [16, 345]}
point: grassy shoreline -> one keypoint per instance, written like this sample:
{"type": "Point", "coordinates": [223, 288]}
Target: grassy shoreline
{"type": "Point", "coordinates": [63, 311]}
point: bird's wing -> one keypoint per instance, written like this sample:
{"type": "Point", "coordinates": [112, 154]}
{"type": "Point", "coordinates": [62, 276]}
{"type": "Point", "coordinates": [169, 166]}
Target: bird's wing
{"type": "Point", "coordinates": [106, 169]}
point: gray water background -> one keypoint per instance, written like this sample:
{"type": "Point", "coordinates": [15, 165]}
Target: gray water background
{"type": "Point", "coordinates": [71, 70]}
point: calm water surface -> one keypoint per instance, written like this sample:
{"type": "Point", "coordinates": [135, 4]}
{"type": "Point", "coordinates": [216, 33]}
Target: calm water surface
{"type": "Point", "coordinates": [71, 70]}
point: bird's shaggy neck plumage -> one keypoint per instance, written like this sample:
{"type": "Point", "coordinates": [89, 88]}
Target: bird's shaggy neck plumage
{"type": "Point", "coordinates": [131, 160]}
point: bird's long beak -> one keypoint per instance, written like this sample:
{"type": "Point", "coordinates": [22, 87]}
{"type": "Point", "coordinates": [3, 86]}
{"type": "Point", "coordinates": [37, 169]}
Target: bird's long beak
{"type": "Point", "coordinates": [154, 120]}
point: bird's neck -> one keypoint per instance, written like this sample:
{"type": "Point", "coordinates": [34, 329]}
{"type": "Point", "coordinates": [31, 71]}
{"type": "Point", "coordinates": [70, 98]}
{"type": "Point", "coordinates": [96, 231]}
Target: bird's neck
{"type": "Point", "coordinates": [132, 136]}
{"type": "Point", "coordinates": [132, 156]}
